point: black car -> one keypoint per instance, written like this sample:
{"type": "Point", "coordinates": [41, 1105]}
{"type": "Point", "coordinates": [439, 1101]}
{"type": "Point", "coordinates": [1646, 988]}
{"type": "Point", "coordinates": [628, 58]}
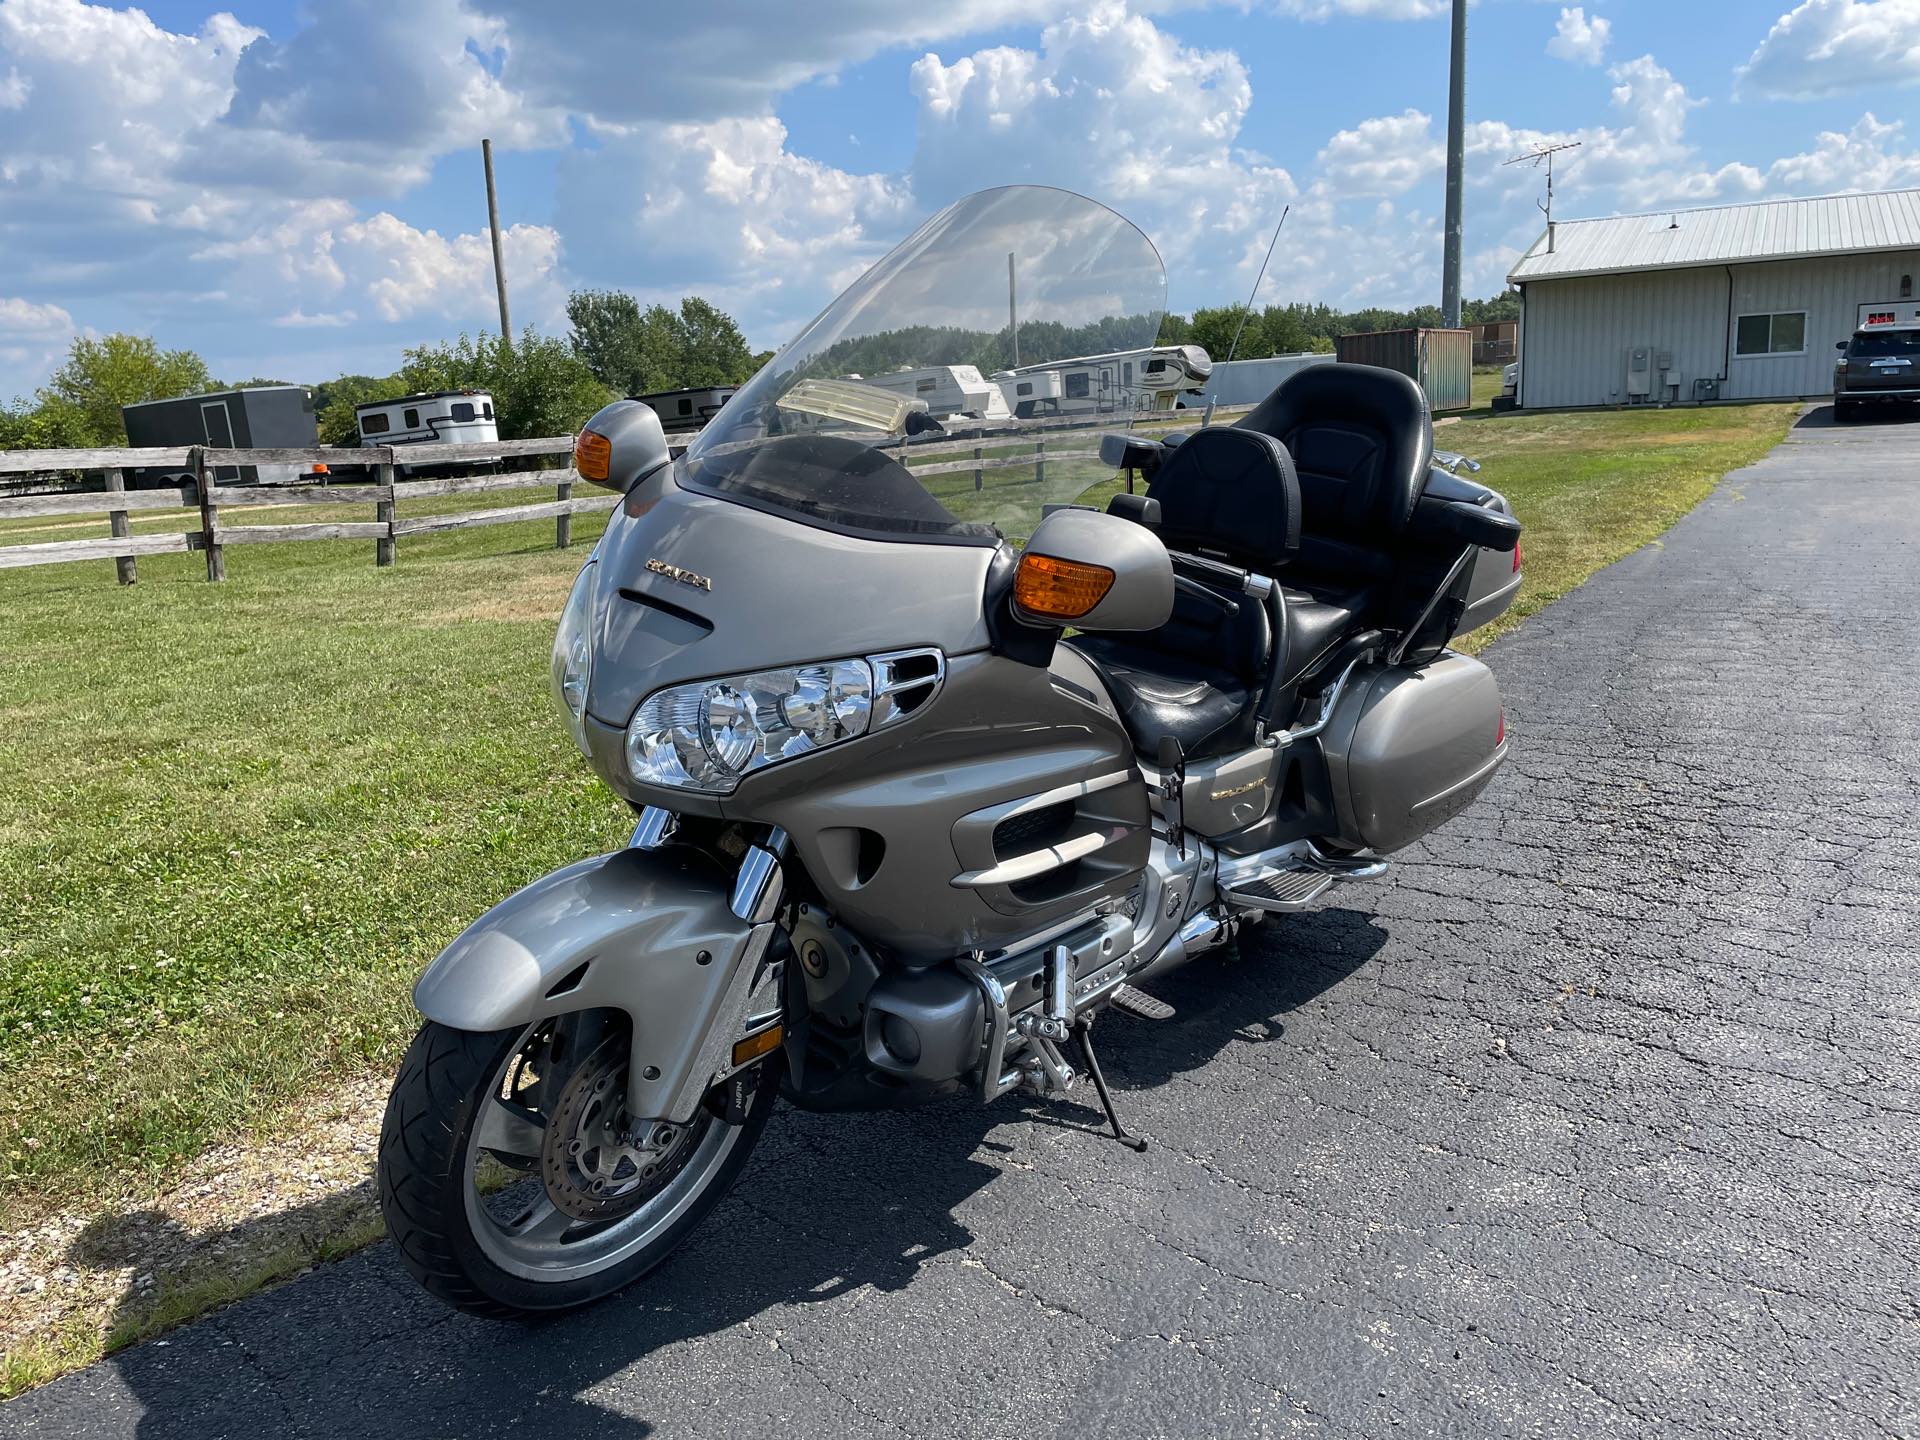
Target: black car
{"type": "Point", "coordinates": [1880, 365]}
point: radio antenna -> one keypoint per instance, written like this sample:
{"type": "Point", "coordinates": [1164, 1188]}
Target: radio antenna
{"type": "Point", "coordinates": [1241, 328]}
{"type": "Point", "coordinates": [1543, 153]}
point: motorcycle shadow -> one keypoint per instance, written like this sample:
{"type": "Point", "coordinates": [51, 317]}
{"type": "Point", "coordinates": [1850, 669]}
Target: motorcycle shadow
{"type": "Point", "coordinates": [832, 1209]}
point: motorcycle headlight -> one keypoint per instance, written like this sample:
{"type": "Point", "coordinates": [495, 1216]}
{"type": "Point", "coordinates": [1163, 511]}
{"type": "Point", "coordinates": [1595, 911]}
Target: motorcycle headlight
{"type": "Point", "coordinates": [705, 736]}
{"type": "Point", "coordinates": [571, 667]}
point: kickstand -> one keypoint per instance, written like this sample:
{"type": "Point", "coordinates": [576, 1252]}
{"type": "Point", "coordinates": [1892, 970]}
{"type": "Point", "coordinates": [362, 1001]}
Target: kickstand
{"type": "Point", "coordinates": [1084, 1033]}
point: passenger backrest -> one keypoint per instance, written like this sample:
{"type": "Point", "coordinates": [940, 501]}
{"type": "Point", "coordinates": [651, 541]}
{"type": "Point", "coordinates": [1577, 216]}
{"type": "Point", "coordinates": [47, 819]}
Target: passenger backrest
{"type": "Point", "coordinates": [1362, 442]}
{"type": "Point", "coordinates": [1230, 492]}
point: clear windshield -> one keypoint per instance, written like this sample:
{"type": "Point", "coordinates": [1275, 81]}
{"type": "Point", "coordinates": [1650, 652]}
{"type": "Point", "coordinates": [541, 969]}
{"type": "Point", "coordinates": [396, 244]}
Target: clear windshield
{"type": "Point", "coordinates": [957, 387]}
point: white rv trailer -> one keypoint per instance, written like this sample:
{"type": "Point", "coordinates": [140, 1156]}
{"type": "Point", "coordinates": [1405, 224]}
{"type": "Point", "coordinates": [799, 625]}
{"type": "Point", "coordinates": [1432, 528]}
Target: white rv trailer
{"type": "Point", "coordinates": [451, 417]}
{"type": "Point", "coordinates": [1248, 382]}
{"type": "Point", "coordinates": [947, 390]}
{"type": "Point", "coordinates": [1124, 381]}
{"type": "Point", "coordinates": [684, 410]}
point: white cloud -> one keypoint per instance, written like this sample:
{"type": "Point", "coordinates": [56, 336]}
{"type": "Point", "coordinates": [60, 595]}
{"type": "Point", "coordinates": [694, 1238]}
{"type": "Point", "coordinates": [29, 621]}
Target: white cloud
{"type": "Point", "coordinates": [1384, 156]}
{"type": "Point", "coordinates": [26, 318]}
{"type": "Point", "coordinates": [1831, 47]}
{"type": "Point", "coordinates": [1579, 39]}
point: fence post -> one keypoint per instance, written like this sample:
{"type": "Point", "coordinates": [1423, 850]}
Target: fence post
{"type": "Point", "coordinates": [117, 523]}
{"type": "Point", "coordinates": [383, 515]}
{"type": "Point", "coordinates": [976, 467]}
{"type": "Point", "coordinates": [1040, 462]}
{"type": "Point", "coordinates": [563, 524]}
{"type": "Point", "coordinates": [209, 516]}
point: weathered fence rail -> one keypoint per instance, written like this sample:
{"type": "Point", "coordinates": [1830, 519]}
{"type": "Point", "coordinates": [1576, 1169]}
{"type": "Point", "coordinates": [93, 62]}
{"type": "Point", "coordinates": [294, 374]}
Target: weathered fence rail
{"type": "Point", "coordinates": [218, 507]}
{"type": "Point", "coordinates": [982, 451]}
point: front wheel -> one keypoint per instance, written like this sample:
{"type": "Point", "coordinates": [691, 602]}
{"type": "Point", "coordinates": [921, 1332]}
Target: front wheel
{"type": "Point", "coordinates": [512, 1181]}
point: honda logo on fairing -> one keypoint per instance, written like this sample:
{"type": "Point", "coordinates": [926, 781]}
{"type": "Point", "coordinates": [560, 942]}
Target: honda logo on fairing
{"type": "Point", "coordinates": [685, 577]}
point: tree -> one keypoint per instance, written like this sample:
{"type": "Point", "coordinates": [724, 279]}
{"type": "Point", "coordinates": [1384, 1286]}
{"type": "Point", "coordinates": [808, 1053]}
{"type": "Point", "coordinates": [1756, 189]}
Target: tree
{"type": "Point", "coordinates": [1214, 329]}
{"type": "Point", "coordinates": [712, 349]}
{"type": "Point", "coordinates": [335, 402]}
{"type": "Point", "coordinates": [100, 376]}
{"type": "Point", "coordinates": [45, 426]}
{"type": "Point", "coordinates": [539, 385]}
{"type": "Point", "coordinates": [635, 351]}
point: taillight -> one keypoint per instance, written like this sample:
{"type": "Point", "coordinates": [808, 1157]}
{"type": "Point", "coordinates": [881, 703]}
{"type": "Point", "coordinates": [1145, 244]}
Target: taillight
{"type": "Point", "coordinates": [1500, 730]}
{"type": "Point", "coordinates": [1516, 557]}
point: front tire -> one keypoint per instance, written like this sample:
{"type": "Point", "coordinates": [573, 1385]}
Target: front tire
{"type": "Point", "coordinates": [475, 1249]}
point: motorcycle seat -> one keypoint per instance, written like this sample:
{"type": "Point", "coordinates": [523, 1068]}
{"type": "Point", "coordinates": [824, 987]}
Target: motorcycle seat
{"type": "Point", "coordinates": [1208, 710]}
{"type": "Point", "coordinates": [1314, 626]}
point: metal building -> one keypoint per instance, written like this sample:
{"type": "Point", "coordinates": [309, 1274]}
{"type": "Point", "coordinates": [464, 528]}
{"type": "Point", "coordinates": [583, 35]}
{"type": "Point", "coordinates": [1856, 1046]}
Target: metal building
{"type": "Point", "coordinates": [1738, 302]}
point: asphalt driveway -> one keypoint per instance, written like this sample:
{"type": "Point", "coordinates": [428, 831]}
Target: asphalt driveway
{"type": "Point", "coordinates": [1597, 1117]}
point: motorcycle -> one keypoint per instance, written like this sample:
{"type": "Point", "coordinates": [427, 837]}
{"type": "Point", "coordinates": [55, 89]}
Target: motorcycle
{"type": "Point", "coordinates": [917, 801]}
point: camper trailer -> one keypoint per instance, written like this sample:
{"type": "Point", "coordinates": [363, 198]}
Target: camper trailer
{"type": "Point", "coordinates": [1122, 382]}
{"type": "Point", "coordinates": [684, 410]}
{"type": "Point", "coordinates": [447, 417]}
{"type": "Point", "coordinates": [261, 417]}
{"type": "Point", "coordinates": [947, 390]}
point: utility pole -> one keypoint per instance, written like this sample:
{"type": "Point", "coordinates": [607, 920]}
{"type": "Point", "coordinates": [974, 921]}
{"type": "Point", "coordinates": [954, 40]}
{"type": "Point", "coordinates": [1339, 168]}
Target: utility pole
{"type": "Point", "coordinates": [493, 223]}
{"type": "Point", "coordinates": [1013, 312]}
{"type": "Point", "coordinates": [1456, 164]}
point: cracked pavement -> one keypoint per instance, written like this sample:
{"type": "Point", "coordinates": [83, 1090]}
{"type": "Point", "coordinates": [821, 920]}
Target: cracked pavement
{"type": "Point", "coordinates": [1595, 1117]}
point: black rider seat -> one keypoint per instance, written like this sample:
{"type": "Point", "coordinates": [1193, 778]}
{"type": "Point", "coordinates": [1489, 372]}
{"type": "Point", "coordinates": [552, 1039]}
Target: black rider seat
{"type": "Point", "coordinates": [1314, 487]}
{"type": "Point", "coordinates": [1227, 494]}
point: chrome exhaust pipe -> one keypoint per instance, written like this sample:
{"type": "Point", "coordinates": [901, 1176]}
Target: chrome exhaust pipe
{"type": "Point", "coordinates": [1205, 931]}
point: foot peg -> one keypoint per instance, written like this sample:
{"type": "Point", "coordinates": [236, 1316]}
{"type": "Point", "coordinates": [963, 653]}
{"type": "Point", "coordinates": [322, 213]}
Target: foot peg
{"type": "Point", "coordinates": [1138, 1002]}
{"type": "Point", "coordinates": [1280, 889]}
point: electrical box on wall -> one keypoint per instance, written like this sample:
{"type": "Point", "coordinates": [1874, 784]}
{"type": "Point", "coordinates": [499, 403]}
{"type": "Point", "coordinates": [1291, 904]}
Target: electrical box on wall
{"type": "Point", "coordinates": [1639, 373]}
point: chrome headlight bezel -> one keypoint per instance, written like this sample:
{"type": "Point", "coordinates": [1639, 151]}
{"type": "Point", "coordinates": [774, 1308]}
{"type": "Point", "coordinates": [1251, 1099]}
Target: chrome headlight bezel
{"type": "Point", "coordinates": [706, 736]}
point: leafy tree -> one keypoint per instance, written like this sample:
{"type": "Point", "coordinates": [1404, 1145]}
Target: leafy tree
{"type": "Point", "coordinates": [46, 426]}
{"type": "Point", "coordinates": [712, 349]}
{"type": "Point", "coordinates": [539, 385]}
{"type": "Point", "coordinates": [100, 376]}
{"type": "Point", "coordinates": [335, 402]}
{"type": "Point", "coordinates": [634, 351]}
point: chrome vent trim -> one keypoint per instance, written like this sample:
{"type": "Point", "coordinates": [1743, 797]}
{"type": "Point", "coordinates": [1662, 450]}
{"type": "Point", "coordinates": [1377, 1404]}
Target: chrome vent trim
{"type": "Point", "coordinates": [900, 686]}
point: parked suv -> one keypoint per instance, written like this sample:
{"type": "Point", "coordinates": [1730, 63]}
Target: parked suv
{"type": "Point", "coordinates": [1880, 365]}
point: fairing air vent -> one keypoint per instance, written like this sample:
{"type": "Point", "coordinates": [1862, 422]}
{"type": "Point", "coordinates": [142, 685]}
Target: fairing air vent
{"type": "Point", "coordinates": [904, 681]}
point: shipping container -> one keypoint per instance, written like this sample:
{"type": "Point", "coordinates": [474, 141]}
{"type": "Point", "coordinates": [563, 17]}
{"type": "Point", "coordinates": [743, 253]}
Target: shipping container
{"type": "Point", "coordinates": [1441, 361]}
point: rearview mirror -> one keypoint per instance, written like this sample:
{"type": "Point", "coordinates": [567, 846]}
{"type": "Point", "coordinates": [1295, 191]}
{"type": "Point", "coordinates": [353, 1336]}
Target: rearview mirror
{"type": "Point", "coordinates": [1840, 345]}
{"type": "Point", "coordinates": [620, 444]}
{"type": "Point", "coordinates": [1094, 571]}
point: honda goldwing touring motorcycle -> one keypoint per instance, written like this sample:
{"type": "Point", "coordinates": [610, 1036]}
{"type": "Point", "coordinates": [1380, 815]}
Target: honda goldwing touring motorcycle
{"type": "Point", "coordinates": [931, 768]}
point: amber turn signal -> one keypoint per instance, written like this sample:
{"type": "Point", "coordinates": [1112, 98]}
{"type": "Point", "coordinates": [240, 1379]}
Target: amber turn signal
{"type": "Point", "coordinates": [746, 1051]}
{"type": "Point", "coordinates": [592, 454]}
{"type": "Point", "coordinates": [1059, 589]}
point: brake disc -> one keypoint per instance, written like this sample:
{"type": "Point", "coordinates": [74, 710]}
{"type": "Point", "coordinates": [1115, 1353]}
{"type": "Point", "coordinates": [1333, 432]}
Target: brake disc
{"type": "Point", "coordinates": [595, 1161]}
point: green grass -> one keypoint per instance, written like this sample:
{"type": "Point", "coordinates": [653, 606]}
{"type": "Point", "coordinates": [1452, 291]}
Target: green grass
{"type": "Point", "coordinates": [235, 820]}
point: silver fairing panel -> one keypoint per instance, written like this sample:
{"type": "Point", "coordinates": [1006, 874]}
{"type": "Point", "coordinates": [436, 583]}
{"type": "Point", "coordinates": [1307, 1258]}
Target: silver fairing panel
{"type": "Point", "coordinates": [735, 589]}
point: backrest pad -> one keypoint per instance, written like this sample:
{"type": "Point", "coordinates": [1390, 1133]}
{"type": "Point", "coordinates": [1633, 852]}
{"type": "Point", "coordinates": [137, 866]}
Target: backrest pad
{"type": "Point", "coordinates": [1233, 493]}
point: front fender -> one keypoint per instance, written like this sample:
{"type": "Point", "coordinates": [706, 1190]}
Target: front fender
{"type": "Point", "coordinates": [647, 932]}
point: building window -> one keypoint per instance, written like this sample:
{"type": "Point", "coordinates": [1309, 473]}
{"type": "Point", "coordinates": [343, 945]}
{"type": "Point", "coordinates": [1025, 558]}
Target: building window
{"type": "Point", "coordinates": [1077, 388]}
{"type": "Point", "coordinates": [411, 419]}
{"type": "Point", "coordinates": [463, 412]}
{"type": "Point", "coordinates": [1781, 334]}
{"type": "Point", "coordinates": [375, 423]}
{"type": "Point", "coordinates": [1906, 287]}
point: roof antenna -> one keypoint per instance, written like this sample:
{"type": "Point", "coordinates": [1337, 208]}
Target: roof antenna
{"type": "Point", "coordinates": [1256, 284]}
{"type": "Point", "coordinates": [1545, 151]}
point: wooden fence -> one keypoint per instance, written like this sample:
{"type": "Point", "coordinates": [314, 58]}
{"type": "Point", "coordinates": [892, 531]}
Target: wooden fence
{"type": "Point", "coordinates": [209, 499]}
{"type": "Point", "coordinates": [1022, 445]}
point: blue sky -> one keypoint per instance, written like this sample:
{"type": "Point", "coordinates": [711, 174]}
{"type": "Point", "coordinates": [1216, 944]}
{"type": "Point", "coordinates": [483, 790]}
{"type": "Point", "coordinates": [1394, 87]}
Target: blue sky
{"type": "Point", "coordinates": [294, 189]}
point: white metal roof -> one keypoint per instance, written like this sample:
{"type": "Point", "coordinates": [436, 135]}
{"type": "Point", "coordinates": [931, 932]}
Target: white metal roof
{"type": "Point", "coordinates": [1768, 230]}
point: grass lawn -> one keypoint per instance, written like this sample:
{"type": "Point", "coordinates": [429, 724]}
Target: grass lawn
{"type": "Point", "coordinates": [236, 820]}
